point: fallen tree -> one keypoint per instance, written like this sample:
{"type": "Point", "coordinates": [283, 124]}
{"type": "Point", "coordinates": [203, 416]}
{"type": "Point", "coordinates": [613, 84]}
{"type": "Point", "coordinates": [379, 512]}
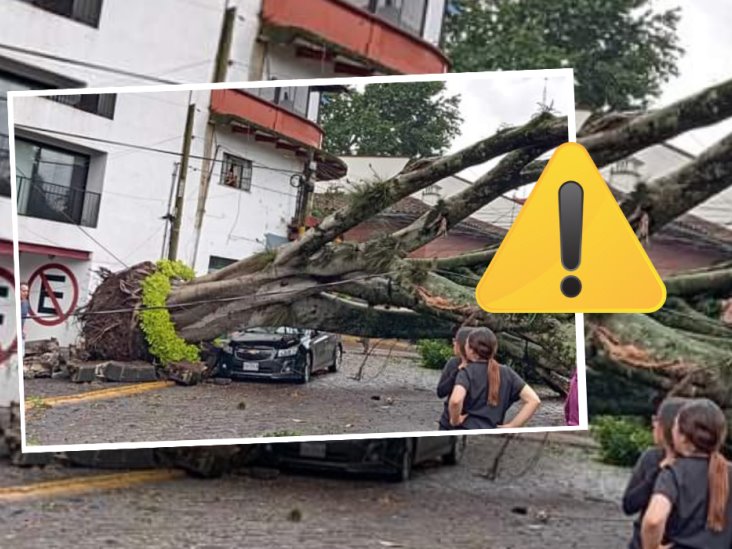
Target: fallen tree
{"type": "Point", "coordinates": [374, 289]}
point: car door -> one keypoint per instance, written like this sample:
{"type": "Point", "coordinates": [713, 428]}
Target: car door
{"type": "Point", "coordinates": [429, 448]}
{"type": "Point", "coordinates": [316, 348]}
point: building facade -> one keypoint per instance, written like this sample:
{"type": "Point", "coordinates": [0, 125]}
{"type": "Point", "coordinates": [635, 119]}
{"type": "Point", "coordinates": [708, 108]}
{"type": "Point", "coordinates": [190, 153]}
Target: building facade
{"type": "Point", "coordinates": [96, 174]}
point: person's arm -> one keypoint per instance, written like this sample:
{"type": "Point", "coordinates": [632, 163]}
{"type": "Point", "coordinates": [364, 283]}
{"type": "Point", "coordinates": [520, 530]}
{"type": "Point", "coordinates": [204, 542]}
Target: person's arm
{"type": "Point", "coordinates": [640, 486]}
{"type": "Point", "coordinates": [455, 406]}
{"type": "Point", "coordinates": [654, 521]}
{"type": "Point", "coordinates": [531, 402]}
{"type": "Point", "coordinates": [447, 379]}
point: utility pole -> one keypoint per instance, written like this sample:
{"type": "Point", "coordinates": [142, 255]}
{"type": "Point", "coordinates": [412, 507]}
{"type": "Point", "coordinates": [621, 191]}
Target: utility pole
{"type": "Point", "coordinates": [305, 194]}
{"type": "Point", "coordinates": [180, 197]}
{"type": "Point", "coordinates": [221, 66]}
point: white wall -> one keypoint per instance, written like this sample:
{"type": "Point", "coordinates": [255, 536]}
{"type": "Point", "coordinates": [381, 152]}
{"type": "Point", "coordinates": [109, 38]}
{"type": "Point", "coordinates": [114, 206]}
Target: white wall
{"type": "Point", "coordinates": [176, 41]}
{"type": "Point", "coordinates": [237, 221]}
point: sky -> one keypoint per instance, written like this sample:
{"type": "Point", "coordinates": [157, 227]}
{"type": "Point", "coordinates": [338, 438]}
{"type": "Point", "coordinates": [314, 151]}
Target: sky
{"type": "Point", "coordinates": [510, 98]}
{"type": "Point", "coordinates": [705, 33]}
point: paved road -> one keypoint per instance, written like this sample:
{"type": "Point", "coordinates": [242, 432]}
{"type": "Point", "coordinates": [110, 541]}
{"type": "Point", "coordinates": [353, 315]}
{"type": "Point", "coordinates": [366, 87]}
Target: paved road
{"type": "Point", "coordinates": [394, 395]}
{"type": "Point", "coordinates": [441, 507]}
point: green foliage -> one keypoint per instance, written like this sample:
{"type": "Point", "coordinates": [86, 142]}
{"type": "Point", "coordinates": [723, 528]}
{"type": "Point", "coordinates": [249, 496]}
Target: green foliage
{"type": "Point", "coordinates": [621, 50]}
{"type": "Point", "coordinates": [407, 119]}
{"type": "Point", "coordinates": [434, 353]}
{"type": "Point", "coordinates": [163, 342]}
{"type": "Point", "coordinates": [622, 440]}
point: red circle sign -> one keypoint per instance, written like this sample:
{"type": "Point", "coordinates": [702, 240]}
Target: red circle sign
{"type": "Point", "coordinates": [46, 278]}
{"type": "Point", "coordinates": [5, 352]}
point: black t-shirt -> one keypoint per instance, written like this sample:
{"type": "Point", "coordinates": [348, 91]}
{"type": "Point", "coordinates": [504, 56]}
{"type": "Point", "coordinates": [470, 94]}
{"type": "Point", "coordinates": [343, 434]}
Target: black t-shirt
{"type": "Point", "coordinates": [640, 489]}
{"type": "Point", "coordinates": [445, 387]}
{"type": "Point", "coordinates": [481, 415]}
{"type": "Point", "coordinates": [685, 484]}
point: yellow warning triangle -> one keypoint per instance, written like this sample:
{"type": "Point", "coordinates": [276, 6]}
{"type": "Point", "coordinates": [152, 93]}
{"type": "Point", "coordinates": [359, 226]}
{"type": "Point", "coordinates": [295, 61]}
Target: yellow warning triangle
{"type": "Point", "coordinates": [527, 273]}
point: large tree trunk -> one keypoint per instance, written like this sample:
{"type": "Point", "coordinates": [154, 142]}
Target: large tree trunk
{"type": "Point", "coordinates": [372, 289]}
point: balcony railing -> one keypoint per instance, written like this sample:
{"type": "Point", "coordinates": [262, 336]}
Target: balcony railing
{"type": "Point", "coordinates": [37, 198]}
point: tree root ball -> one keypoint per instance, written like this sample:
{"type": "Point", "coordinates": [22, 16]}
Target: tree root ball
{"type": "Point", "coordinates": [109, 321]}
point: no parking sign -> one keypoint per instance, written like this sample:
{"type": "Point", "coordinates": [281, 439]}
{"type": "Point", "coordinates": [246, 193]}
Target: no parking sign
{"type": "Point", "coordinates": [55, 291]}
{"type": "Point", "coordinates": [8, 338]}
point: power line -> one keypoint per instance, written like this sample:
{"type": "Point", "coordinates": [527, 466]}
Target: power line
{"type": "Point", "coordinates": [86, 64]}
{"type": "Point", "coordinates": [144, 147]}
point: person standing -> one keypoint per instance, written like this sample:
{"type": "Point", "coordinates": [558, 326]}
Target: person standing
{"type": "Point", "coordinates": [571, 405]}
{"type": "Point", "coordinates": [450, 371]}
{"type": "Point", "coordinates": [24, 310]}
{"type": "Point", "coordinates": [690, 506]}
{"type": "Point", "coordinates": [639, 490]}
{"type": "Point", "coordinates": [485, 390]}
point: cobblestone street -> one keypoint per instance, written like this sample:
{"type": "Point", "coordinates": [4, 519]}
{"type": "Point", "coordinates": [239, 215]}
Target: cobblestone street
{"type": "Point", "coordinates": [394, 395]}
{"type": "Point", "coordinates": [546, 495]}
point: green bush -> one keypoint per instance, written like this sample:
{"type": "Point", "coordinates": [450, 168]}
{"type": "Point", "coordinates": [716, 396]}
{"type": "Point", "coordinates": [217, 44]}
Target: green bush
{"type": "Point", "coordinates": [434, 353]}
{"type": "Point", "coordinates": [163, 342]}
{"type": "Point", "coordinates": [622, 440]}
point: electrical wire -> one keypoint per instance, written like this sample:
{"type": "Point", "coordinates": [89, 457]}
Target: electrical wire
{"type": "Point", "coordinates": [86, 64]}
{"type": "Point", "coordinates": [144, 147]}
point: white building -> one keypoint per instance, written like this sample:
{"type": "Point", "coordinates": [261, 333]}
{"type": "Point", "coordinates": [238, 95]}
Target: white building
{"type": "Point", "coordinates": [92, 192]}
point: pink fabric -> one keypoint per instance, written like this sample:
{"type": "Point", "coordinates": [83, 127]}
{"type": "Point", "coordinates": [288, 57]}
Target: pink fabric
{"type": "Point", "coordinates": [571, 405]}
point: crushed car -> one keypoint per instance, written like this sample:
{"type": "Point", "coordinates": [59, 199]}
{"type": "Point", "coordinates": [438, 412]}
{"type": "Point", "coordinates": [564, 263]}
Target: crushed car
{"type": "Point", "coordinates": [281, 353]}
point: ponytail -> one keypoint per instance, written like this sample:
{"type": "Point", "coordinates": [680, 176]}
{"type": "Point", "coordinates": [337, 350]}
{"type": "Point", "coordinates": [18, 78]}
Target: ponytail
{"type": "Point", "coordinates": [494, 382]}
{"type": "Point", "coordinates": [718, 492]}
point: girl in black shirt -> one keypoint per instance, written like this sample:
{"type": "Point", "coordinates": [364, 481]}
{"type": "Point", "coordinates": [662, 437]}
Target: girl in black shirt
{"type": "Point", "coordinates": [450, 372]}
{"type": "Point", "coordinates": [690, 507]}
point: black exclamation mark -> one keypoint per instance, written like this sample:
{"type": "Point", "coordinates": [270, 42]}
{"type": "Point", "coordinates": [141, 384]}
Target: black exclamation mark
{"type": "Point", "coordinates": [570, 234]}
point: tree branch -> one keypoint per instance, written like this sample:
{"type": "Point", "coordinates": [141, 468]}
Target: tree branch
{"type": "Point", "coordinates": [380, 196]}
{"type": "Point", "coordinates": [666, 198]}
{"type": "Point", "coordinates": [707, 107]}
{"type": "Point", "coordinates": [469, 259]}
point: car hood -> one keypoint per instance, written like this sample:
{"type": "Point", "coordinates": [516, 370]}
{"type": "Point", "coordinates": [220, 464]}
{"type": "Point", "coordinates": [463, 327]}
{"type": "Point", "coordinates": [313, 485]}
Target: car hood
{"type": "Point", "coordinates": [279, 341]}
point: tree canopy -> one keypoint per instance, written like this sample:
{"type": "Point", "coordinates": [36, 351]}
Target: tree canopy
{"type": "Point", "coordinates": [411, 119]}
{"type": "Point", "coordinates": [622, 51]}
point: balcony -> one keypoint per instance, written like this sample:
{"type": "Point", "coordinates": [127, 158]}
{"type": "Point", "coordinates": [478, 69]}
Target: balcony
{"type": "Point", "coordinates": [248, 114]}
{"type": "Point", "coordinates": [37, 198]}
{"type": "Point", "coordinates": [385, 41]}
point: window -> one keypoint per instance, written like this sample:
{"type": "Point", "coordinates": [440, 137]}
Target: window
{"type": "Point", "coordinates": [52, 184]}
{"type": "Point", "coordinates": [83, 11]}
{"type": "Point", "coordinates": [236, 172]}
{"type": "Point", "coordinates": [8, 82]}
{"type": "Point", "coordinates": [293, 98]}
{"type": "Point", "coordinates": [215, 263]}
{"type": "Point", "coordinates": [97, 103]}
{"type": "Point", "coordinates": [406, 14]}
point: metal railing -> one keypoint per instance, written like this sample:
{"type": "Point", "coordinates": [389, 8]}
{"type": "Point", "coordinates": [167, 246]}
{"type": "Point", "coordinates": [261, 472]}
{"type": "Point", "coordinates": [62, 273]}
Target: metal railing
{"type": "Point", "coordinates": [96, 103]}
{"type": "Point", "coordinates": [38, 198]}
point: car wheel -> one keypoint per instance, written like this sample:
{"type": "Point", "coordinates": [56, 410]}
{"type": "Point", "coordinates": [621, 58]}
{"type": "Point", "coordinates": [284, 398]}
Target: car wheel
{"type": "Point", "coordinates": [337, 359]}
{"type": "Point", "coordinates": [457, 451]}
{"type": "Point", "coordinates": [405, 463]}
{"type": "Point", "coordinates": [307, 368]}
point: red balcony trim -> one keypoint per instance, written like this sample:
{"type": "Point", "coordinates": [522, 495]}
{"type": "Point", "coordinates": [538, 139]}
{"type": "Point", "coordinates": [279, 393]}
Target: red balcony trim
{"type": "Point", "coordinates": [271, 123]}
{"type": "Point", "coordinates": [355, 33]}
